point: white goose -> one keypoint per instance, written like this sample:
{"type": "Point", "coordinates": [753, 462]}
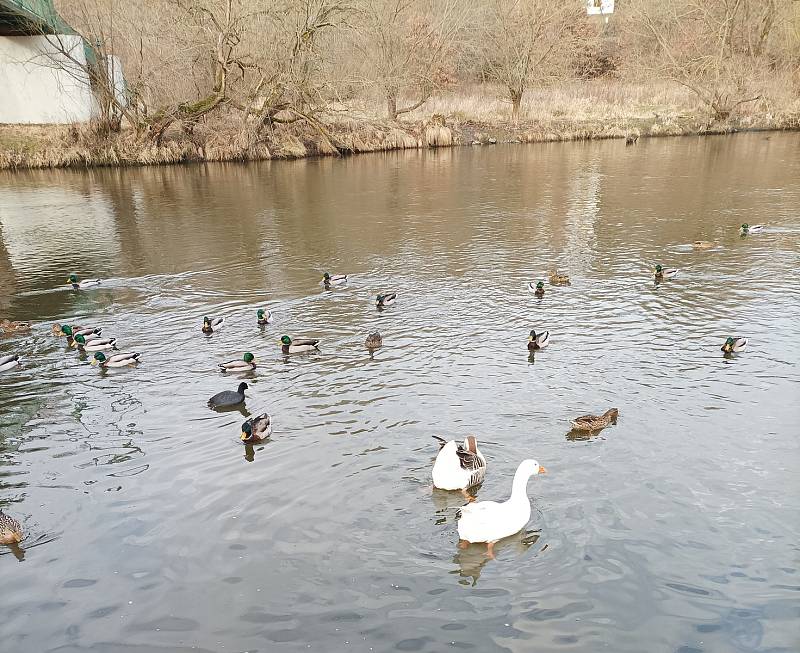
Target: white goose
{"type": "Point", "coordinates": [458, 466]}
{"type": "Point", "coordinates": [489, 521]}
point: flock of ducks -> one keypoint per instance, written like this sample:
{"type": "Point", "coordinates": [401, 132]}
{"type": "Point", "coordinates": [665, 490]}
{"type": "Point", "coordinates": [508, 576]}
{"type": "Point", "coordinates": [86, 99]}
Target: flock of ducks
{"type": "Point", "coordinates": [459, 466]}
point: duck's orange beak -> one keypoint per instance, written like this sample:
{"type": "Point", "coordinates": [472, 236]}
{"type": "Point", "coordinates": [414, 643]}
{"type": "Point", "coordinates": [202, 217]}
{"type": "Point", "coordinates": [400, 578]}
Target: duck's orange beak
{"type": "Point", "coordinates": [542, 470]}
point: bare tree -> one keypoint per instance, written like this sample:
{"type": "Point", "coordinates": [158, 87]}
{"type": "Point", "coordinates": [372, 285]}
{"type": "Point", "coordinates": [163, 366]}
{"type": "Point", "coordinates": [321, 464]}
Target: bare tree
{"type": "Point", "coordinates": [524, 43]}
{"type": "Point", "coordinates": [712, 47]}
{"type": "Point", "coordinates": [407, 47]}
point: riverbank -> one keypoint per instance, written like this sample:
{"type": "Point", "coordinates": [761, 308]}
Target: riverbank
{"type": "Point", "coordinates": [478, 115]}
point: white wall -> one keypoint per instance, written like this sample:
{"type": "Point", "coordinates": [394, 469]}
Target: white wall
{"type": "Point", "coordinates": [35, 87]}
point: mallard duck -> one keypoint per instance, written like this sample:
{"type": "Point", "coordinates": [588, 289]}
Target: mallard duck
{"type": "Point", "coordinates": [458, 466]}
{"type": "Point", "coordinates": [10, 530]}
{"type": "Point", "coordinates": [334, 279]}
{"type": "Point", "coordinates": [82, 285]}
{"type": "Point", "coordinates": [243, 364]}
{"type": "Point", "coordinates": [212, 324]}
{"type": "Point", "coordinates": [8, 327]}
{"type": "Point", "coordinates": [117, 360]}
{"type": "Point", "coordinates": [631, 139]}
{"type": "Point", "coordinates": [734, 344]}
{"type": "Point", "coordinates": [89, 343]}
{"type": "Point", "coordinates": [228, 398]}
{"type": "Point", "coordinates": [9, 362]}
{"type": "Point", "coordinates": [595, 422]}
{"type": "Point", "coordinates": [257, 429]}
{"type": "Point", "coordinates": [490, 521]}
{"type": "Point", "coordinates": [264, 316]}
{"type": "Point", "coordinates": [299, 345]}
{"type": "Point", "coordinates": [385, 299]}
{"type": "Point", "coordinates": [702, 244]}
{"type": "Point", "coordinates": [663, 273]}
{"type": "Point", "coordinates": [536, 288]}
{"type": "Point", "coordinates": [72, 331]}
{"type": "Point", "coordinates": [747, 229]}
{"type": "Point", "coordinates": [557, 279]}
{"type": "Point", "coordinates": [373, 341]}
{"type": "Point", "coordinates": [538, 340]}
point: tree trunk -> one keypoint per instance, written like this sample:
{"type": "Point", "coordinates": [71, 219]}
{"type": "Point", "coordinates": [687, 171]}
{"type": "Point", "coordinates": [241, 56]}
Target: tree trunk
{"type": "Point", "coordinates": [391, 104]}
{"type": "Point", "coordinates": [516, 101]}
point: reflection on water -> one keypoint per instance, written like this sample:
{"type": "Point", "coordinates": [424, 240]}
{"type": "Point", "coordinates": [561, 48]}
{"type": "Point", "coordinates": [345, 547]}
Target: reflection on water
{"type": "Point", "coordinates": [674, 530]}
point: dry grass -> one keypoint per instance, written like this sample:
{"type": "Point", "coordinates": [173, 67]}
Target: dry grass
{"type": "Point", "coordinates": [572, 111]}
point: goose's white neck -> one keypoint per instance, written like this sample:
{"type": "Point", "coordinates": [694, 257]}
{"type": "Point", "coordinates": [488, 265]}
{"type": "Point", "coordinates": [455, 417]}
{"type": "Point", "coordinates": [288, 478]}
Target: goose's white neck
{"type": "Point", "coordinates": [519, 489]}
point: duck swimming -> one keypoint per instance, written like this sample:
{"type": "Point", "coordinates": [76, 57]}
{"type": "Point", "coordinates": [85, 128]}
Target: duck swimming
{"type": "Point", "coordinates": [10, 530]}
{"type": "Point", "coordinates": [299, 345]}
{"type": "Point", "coordinates": [334, 280]}
{"type": "Point", "coordinates": [385, 299]}
{"type": "Point", "coordinates": [458, 466]}
{"type": "Point", "coordinates": [244, 364]}
{"type": "Point", "coordinates": [72, 331]}
{"type": "Point", "coordinates": [595, 422]}
{"type": "Point", "coordinates": [747, 229]}
{"type": "Point", "coordinates": [9, 327]}
{"type": "Point", "coordinates": [662, 273]}
{"type": "Point", "coordinates": [557, 279]}
{"type": "Point", "coordinates": [228, 398]}
{"type": "Point", "coordinates": [82, 285]}
{"type": "Point", "coordinates": [264, 316]}
{"type": "Point", "coordinates": [538, 340]}
{"type": "Point", "coordinates": [210, 325]}
{"type": "Point", "coordinates": [117, 360]}
{"type": "Point", "coordinates": [537, 289]}
{"type": "Point", "coordinates": [734, 344]}
{"type": "Point", "coordinates": [257, 429]}
{"type": "Point", "coordinates": [702, 244]}
{"type": "Point", "coordinates": [9, 362]}
{"type": "Point", "coordinates": [490, 521]}
{"type": "Point", "coordinates": [373, 341]}
{"type": "Point", "coordinates": [88, 343]}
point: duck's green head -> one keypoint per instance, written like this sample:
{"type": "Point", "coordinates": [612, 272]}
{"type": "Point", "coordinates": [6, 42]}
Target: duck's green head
{"type": "Point", "coordinates": [80, 339]}
{"type": "Point", "coordinates": [248, 357]}
{"type": "Point", "coordinates": [99, 357]}
{"type": "Point", "coordinates": [286, 340]}
{"type": "Point", "coordinates": [66, 330]}
{"type": "Point", "coordinates": [247, 431]}
{"type": "Point", "coordinates": [532, 335]}
{"type": "Point", "coordinates": [745, 227]}
{"type": "Point", "coordinates": [540, 285]}
{"type": "Point", "coordinates": [326, 277]}
{"type": "Point", "coordinates": [728, 346]}
{"type": "Point", "coordinates": [73, 278]}
{"type": "Point", "coordinates": [380, 298]}
{"type": "Point", "coordinates": [659, 269]}
{"type": "Point", "coordinates": [206, 320]}
{"type": "Point", "coordinates": [260, 313]}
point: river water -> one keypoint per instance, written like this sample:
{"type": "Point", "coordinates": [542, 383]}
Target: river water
{"type": "Point", "coordinates": [151, 529]}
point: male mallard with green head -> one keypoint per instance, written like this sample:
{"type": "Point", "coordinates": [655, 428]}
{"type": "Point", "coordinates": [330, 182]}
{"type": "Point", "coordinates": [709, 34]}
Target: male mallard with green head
{"type": "Point", "coordinates": [734, 344]}
{"type": "Point", "coordinates": [212, 324]}
{"type": "Point", "coordinates": [257, 429]}
{"type": "Point", "coordinates": [117, 360]}
{"type": "Point", "coordinates": [243, 364]}
{"type": "Point", "coordinates": [662, 273]}
{"type": "Point", "coordinates": [82, 285]}
{"type": "Point", "coordinates": [298, 345]}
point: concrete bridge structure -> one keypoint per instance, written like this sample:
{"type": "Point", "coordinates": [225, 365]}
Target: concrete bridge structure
{"type": "Point", "coordinates": [43, 73]}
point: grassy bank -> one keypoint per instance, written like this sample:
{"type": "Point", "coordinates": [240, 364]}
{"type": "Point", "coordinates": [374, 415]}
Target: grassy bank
{"type": "Point", "coordinates": [585, 110]}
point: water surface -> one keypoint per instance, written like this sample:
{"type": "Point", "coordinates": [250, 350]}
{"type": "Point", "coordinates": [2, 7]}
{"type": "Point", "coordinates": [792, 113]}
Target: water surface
{"type": "Point", "coordinates": [152, 529]}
